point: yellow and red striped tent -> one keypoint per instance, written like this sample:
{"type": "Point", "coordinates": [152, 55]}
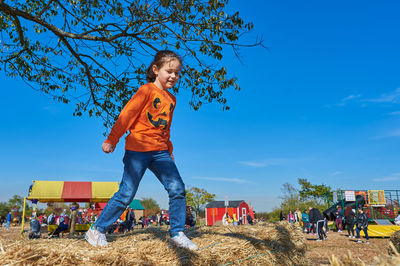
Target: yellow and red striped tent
{"type": "Point", "coordinates": [70, 191]}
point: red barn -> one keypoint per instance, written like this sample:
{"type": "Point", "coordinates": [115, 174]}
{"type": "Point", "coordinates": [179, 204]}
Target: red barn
{"type": "Point", "coordinates": [215, 210]}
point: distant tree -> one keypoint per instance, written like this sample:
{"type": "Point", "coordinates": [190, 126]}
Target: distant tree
{"type": "Point", "coordinates": [4, 209]}
{"type": "Point", "coordinates": [92, 53]}
{"type": "Point", "coordinates": [292, 199]}
{"type": "Point", "coordinates": [198, 197]}
{"type": "Point", "coordinates": [16, 202]}
{"type": "Point", "coordinates": [151, 206]}
{"type": "Point", "coordinates": [318, 193]}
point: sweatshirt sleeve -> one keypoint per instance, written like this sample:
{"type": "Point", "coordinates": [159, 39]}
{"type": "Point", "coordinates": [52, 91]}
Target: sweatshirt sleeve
{"type": "Point", "coordinates": [169, 143]}
{"type": "Point", "coordinates": [128, 115]}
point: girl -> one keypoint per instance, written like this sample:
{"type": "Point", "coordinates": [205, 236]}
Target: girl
{"type": "Point", "coordinates": [148, 117]}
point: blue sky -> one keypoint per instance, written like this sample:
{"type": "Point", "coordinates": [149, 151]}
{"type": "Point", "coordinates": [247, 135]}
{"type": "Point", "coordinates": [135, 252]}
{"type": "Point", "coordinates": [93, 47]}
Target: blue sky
{"type": "Point", "coordinates": [322, 103]}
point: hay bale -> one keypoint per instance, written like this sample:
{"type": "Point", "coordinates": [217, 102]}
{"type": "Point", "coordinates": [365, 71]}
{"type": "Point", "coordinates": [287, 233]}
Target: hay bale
{"type": "Point", "coordinates": [395, 239]}
{"type": "Point", "coordinates": [267, 244]}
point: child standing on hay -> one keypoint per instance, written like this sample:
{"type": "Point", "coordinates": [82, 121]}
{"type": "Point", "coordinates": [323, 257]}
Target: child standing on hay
{"type": "Point", "coordinates": [148, 117]}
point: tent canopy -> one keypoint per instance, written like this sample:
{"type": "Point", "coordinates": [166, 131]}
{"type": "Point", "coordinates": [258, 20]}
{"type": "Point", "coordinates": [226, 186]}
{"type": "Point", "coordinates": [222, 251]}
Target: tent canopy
{"type": "Point", "coordinates": [136, 205]}
{"type": "Point", "coordinates": [67, 191]}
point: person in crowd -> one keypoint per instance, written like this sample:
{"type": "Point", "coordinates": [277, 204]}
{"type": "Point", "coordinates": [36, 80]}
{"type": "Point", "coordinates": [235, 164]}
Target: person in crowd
{"type": "Point", "coordinates": [92, 217]}
{"type": "Point", "coordinates": [339, 219]}
{"type": "Point", "coordinates": [240, 221]}
{"type": "Point", "coordinates": [249, 219]}
{"type": "Point", "coordinates": [297, 216]}
{"type": "Point", "coordinates": [281, 216]}
{"type": "Point", "coordinates": [63, 224]}
{"type": "Point", "coordinates": [51, 219]}
{"type": "Point", "coordinates": [316, 217]}
{"type": "Point", "coordinates": [362, 224]}
{"type": "Point", "coordinates": [306, 222]}
{"type": "Point", "coordinates": [130, 219]}
{"type": "Point", "coordinates": [141, 221]}
{"type": "Point", "coordinates": [290, 217]}
{"type": "Point", "coordinates": [35, 228]}
{"type": "Point", "coordinates": [44, 220]}
{"type": "Point", "coordinates": [397, 219]}
{"type": "Point", "coordinates": [235, 220]}
{"type": "Point", "coordinates": [350, 219]}
{"type": "Point", "coordinates": [8, 221]}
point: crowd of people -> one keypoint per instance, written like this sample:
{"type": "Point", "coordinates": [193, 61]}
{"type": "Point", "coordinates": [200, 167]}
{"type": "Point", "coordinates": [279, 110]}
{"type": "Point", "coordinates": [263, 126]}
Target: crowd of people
{"type": "Point", "coordinates": [314, 222]}
{"type": "Point", "coordinates": [311, 220]}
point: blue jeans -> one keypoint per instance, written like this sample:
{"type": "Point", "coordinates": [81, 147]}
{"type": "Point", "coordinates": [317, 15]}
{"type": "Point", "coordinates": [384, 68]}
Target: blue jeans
{"type": "Point", "coordinates": [135, 164]}
{"type": "Point", "coordinates": [358, 230]}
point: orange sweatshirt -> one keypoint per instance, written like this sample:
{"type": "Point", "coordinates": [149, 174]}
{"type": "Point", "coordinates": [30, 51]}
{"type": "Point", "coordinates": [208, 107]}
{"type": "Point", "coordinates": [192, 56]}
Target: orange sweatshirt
{"type": "Point", "coordinates": [148, 117]}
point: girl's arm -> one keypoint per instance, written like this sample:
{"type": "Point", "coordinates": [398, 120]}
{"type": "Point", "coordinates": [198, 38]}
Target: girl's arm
{"type": "Point", "coordinates": [127, 117]}
{"type": "Point", "coordinates": [169, 143]}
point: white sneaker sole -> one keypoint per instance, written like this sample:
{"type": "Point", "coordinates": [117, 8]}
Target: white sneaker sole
{"type": "Point", "coordinates": [91, 242]}
{"type": "Point", "coordinates": [171, 242]}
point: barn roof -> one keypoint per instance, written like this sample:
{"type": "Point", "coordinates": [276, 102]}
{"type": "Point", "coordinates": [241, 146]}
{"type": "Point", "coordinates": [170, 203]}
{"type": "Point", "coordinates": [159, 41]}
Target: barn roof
{"type": "Point", "coordinates": [221, 204]}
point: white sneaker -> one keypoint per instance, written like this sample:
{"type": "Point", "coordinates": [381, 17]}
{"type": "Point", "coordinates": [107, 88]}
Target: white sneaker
{"type": "Point", "coordinates": [181, 240]}
{"type": "Point", "coordinates": [95, 238]}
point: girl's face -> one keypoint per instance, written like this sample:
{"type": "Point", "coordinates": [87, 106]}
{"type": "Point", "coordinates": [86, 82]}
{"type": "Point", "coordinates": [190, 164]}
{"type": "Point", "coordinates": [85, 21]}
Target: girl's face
{"type": "Point", "coordinates": [168, 74]}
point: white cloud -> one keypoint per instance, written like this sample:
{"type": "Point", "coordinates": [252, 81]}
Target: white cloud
{"type": "Point", "coordinates": [389, 134]}
{"type": "Point", "coordinates": [224, 179]}
{"type": "Point", "coordinates": [265, 163]}
{"type": "Point", "coordinates": [346, 99]}
{"type": "Point", "coordinates": [336, 173]}
{"type": "Point", "coordinates": [391, 97]}
{"type": "Point", "coordinates": [393, 177]}
{"type": "Point", "coordinates": [351, 97]}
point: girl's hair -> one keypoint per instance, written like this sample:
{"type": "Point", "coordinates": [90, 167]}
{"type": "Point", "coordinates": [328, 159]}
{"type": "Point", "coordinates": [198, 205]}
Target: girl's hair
{"type": "Point", "coordinates": [347, 211]}
{"type": "Point", "coordinates": [162, 57]}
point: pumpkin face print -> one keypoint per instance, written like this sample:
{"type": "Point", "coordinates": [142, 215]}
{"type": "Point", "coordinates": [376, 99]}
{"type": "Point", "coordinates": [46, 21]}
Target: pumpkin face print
{"type": "Point", "coordinates": [160, 113]}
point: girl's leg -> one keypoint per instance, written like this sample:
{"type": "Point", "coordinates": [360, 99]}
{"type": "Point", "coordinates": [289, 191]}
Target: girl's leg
{"type": "Point", "coordinates": [165, 169]}
{"type": "Point", "coordinates": [135, 164]}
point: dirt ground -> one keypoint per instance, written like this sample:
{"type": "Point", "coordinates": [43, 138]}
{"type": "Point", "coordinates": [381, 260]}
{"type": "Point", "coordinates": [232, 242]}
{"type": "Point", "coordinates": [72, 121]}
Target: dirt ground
{"type": "Point", "coordinates": [339, 244]}
{"type": "Point", "coordinates": [318, 253]}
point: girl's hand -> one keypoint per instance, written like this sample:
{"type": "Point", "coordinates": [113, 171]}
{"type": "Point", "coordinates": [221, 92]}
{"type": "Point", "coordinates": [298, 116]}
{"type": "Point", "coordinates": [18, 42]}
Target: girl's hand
{"type": "Point", "coordinates": [107, 147]}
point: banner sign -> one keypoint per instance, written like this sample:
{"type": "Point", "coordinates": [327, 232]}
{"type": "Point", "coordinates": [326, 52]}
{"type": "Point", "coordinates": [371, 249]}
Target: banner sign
{"type": "Point", "coordinates": [350, 195]}
{"type": "Point", "coordinates": [376, 197]}
{"type": "Point", "coordinates": [334, 196]}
